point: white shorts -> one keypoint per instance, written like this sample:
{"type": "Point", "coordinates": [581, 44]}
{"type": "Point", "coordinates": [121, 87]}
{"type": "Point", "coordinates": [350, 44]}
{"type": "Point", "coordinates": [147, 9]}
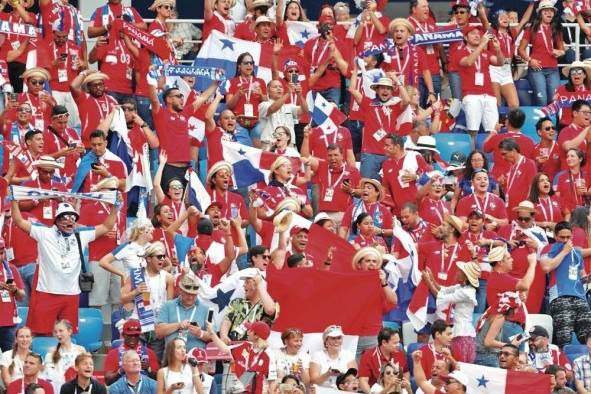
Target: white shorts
{"type": "Point", "coordinates": [501, 74]}
{"type": "Point", "coordinates": [480, 109]}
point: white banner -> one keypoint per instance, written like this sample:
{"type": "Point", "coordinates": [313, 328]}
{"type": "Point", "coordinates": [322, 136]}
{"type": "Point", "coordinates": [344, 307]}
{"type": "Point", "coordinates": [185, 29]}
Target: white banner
{"type": "Point", "coordinates": [33, 193]}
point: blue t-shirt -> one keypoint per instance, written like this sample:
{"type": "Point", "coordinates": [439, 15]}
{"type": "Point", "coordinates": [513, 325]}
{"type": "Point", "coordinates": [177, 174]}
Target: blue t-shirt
{"type": "Point", "coordinates": [565, 280]}
{"type": "Point", "coordinates": [173, 312]}
{"type": "Point", "coordinates": [146, 386]}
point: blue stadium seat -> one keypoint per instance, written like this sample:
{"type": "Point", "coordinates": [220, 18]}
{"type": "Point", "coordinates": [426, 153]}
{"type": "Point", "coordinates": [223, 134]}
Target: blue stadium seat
{"type": "Point", "coordinates": [42, 345]}
{"type": "Point", "coordinates": [529, 128]}
{"type": "Point", "coordinates": [90, 333]}
{"type": "Point", "coordinates": [116, 343]}
{"type": "Point", "coordinates": [391, 324]}
{"type": "Point", "coordinates": [22, 312]}
{"type": "Point", "coordinates": [448, 143]}
{"type": "Point", "coordinates": [574, 351]}
{"type": "Point", "coordinates": [90, 312]}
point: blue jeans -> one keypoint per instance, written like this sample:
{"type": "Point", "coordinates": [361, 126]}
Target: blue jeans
{"type": "Point", "coordinates": [27, 272]}
{"type": "Point", "coordinates": [245, 136]}
{"type": "Point", "coordinates": [425, 92]}
{"type": "Point", "coordinates": [7, 335]}
{"type": "Point", "coordinates": [331, 94]}
{"type": "Point", "coordinates": [481, 297]}
{"type": "Point", "coordinates": [543, 83]}
{"type": "Point", "coordinates": [371, 165]}
{"type": "Point", "coordinates": [455, 84]}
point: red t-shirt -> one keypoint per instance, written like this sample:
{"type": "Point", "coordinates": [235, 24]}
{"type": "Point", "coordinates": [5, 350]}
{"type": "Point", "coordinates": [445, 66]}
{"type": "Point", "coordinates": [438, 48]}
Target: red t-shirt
{"type": "Point", "coordinates": [372, 209]}
{"type": "Point", "coordinates": [55, 141]}
{"type": "Point", "coordinates": [246, 359]}
{"type": "Point", "coordinates": [566, 134]}
{"type": "Point", "coordinates": [408, 62]}
{"type": "Point", "coordinates": [551, 166]}
{"type": "Point", "coordinates": [468, 74]}
{"type": "Point", "coordinates": [441, 259]}
{"type": "Point", "coordinates": [507, 43]}
{"type": "Point", "coordinates": [501, 166]}
{"type": "Point", "coordinates": [142, 65]}
{"type": "Point", "coordinates": [219, 23]}
{"type": "Point", "coordinates": [566, 185]}
{"type": "Point", "coordinates": [372, 361]}
{"type": "Point", "coordinates": [319, 141]}
{"type": "Point", "coordinates": [23, 246]}
{"type": "Point", "coordinates": [429, 357]}
{"type": "Point", "coordinates": [327, 178]}
{"type": "Point", "coordinates": [8, 309]}
{"type": "Point", "coordinates": [116, 61]}
{"type": "Point", "coordinates": [16, 387]}
{"type": "Point", "coordinates": [62, 74]}
{"type": "Point", "coordinates": [250, 97]}
{"type": "Point", "coordinates": [379, 120]}
{"type": "Point", "coordinates": [518, 182]}
{"type": "Point", "coordinates": [317, 51]}
{"type": "Point", "coordinates": [215, 150]}
{"type": "Point", "coordinates": [371, 36]}
{"type": "Point", "coordinates": [482, 251]}
{"type": "Point", "coordinates": [549, 210]}
{"type": "Point", "coordinates": [41, 109]}
{"type": "Point", "coordinates": [173, 132]}
{"type": "Point", "coordinates": [431, 51]}
{"type": "Point", "coordinates": [92, 111]}
{"type": "Point", "coordinates": [244, 31]}
{"type": "Point", "coordinates": [542, 43]}
{"type": "Point", "coordinates": [433, 211]}
{"type": "Point", "coordinates": [392, 170]}
{"type": "Point", "coordinates": [277, 194]}
{"type": "Point", "coordinates": [491, 204]}
{"type": "Point", "coordinates": [93, 213]}
{"type": "Point", "coordinates": [14, 41]}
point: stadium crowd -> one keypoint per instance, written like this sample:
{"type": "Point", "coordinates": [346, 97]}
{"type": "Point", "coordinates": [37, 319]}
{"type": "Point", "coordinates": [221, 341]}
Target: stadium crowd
{"type": "Point", "coordinates": [124, 189]}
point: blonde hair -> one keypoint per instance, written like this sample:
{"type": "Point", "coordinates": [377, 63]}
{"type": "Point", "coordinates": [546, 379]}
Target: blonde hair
{"type": "Point", "coordinates": [137, 228]}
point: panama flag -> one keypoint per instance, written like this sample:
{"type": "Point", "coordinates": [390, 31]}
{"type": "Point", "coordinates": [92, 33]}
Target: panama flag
{"type": "Point", "coordinates": [251, 165]}
{"type": "Point", "coordinates": [300, 32]}
{"type": "Point", "coordinates": [484, 380]}
{"type": "Point", "coordinates": [326, 115]}
{"type": "Point", "coordinates": [196, 193]}
{"type": "Point", "coordinates": [222, 51]}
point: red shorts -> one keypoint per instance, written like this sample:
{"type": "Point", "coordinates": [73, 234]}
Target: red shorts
{"type": "Point", "coordinates": [45, 309]}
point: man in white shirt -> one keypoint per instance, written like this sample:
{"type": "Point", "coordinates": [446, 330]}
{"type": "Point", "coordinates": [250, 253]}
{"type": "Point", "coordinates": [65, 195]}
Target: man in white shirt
{"type": "Point", "coordinates": [275, 112]}
{"type": "Point", "coordinates": [57, 291]}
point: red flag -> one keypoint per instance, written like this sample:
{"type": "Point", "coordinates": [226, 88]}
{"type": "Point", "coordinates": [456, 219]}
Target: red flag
{"type": "Point", "coordinates": [417, 308]}
{"type": "Point", "coordinates": [353, 300]}
{"type": "Point", "coordinates": [319, 242]}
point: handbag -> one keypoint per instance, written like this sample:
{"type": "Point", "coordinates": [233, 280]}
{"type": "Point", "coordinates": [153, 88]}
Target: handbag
{"type": "Point", "coordinates": [86, 279]}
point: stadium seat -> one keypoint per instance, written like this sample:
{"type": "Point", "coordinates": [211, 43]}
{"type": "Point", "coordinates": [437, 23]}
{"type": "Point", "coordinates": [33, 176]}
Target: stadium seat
{"type": "Point", "coordinates": [22, 312]}
{"type": "Point", "coordinates": [529, 128]}
{"type": "Point", "coordinates": [540, 320]}
{"type": "Point", "coordinates": [572, 352]}
{"type": "Point", "coordinates": [391, 324]}
{"type": "Point", "coordinates": [90, 312]}
{"type": "Point", "coordinates": [90, 329]}
{"type": "Point", "coordinates": [116, 343]}
{"type": "Point", "coordinates": [448, 143]}
{"type": "Point", "coordinates": [42, 345]}
{"type": "Point", "coordinates": [408, 333]}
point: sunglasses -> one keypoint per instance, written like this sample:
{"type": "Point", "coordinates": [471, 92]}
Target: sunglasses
{"type": "Point", "coordinates": [27, 110]}
{"type": "Point", "coordinates": [248, 63]}
{"type": "Point", "coordinates": [193, 288]}
{"type": "Point", "coordinates": [175, 187]}
{"type": "Point", "coordinates": [577, 72]}
{"type": "Point", "coordinates": [167, 7]}
{"type": "Point", "coordinates": [292, 71]}
{"type": "Point", "coordinates": [158, 256]}
{"type": "Point", "coordinates": [522, 219]}
{"type": "Point", "coordinates": [128, 109]}
{"type": "Point", "coordinates": [37, 82]}
{"type": "Point", "coordinates": [266, 257]}
{"type": "Point", "coordinates": [549, 128]}
{"type": "Point", "coordinates": [68, 217]}
{"type": "Point", "coordinates": [61, 116]}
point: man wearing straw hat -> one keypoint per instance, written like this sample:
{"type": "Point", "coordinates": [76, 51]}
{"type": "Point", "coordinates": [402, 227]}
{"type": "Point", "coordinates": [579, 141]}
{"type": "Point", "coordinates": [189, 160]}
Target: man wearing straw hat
{"type": "Point", "coordinates": [218, 180]}
{"type": "Point", "coordinates": [44, 210]}
{"type": "Point", "coordinates": [94, 105]}
{"type": "Point", "coordinates": [245, 30]}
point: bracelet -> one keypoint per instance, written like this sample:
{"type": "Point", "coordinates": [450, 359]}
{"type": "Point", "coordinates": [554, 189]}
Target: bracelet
{"type": "Point", "coordinates": [431, 93]}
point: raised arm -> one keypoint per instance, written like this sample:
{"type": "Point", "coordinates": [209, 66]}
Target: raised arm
{"type": "Point", "coordinates": [217, 341]}
{"type": "Point", "coordinates": [108, 224]}
{"type": "Point", "coordinates": [269, 306]}
{"type": "Point", "coordinates": [419, 373]}
{"type": "Point", "coordinates": [21, 223]}
{"type": "Point", "coordinates": [210, 113]}
{"type": "Point", "coordinates": [163, 158]}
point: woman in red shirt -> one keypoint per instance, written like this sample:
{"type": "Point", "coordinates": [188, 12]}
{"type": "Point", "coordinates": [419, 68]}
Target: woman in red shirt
{"type": "Point", "coordinates": [216, 16]}
{"type": "Point", "coordinates": [293, 13]}
{"type": "Point", "coordinates": [366, 233]}
{"type": "Point", "coordinates": [545, 37]}
{"type": "Point", "coordinates": [245, 93]}
{"type": "Point", "coordinates": [548, 211]}
{"type": "Point", "coordinates": [573, 183]}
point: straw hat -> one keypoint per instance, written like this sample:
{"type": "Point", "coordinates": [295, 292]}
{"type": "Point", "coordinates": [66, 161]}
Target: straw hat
{"type": "Point", "coordinates": [47, 162]}
{"type": "Point", "coordinates": [454, 221]}
{"type": "Point", "coordinates": [282, 220]}
{"type": "Point", "coordinates": [497, 254]}
{"type": "Point", "coordinates": [36, 72]}
{"type": "Point", "coordinates": [263, 19]}
{"type": "Point", "coordinates": [384, 81]}
{"type": "Point", "coordinates": [426, 142]}
{"type": "Point", "coordinates": [368, 251]}
{"type": "Point", "coordinates": [260, 3]}
{"type": "Point", "coordinates": [158, 3]}
{"type": "Point", "coordinates": [374, 183]}
{"type": "Point", "coordinates": [154, 248]}
{"type": "Point", "coordinates": [401, 22]}
{"type": "Point", "coordinates": [281, 160]}
{"type": "Point", "coordinates": [288, 203]}
{"type": "Point", "coordinates": [585, 65]}
{"type": "Point", "coordinates": [220, 165]}
{"type": "Point", "coordinates": [96, 76]}
{"type": "Point", "coordinates": [546, 5]}
{"type": "Point", "coordinates": [472, 271]}
{"type": "Point", "coordinates": [526, 206]}
{"type": "Point", "coordinates": [189, 283]}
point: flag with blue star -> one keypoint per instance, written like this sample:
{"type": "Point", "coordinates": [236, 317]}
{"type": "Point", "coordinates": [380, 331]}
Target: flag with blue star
{"type": "Point", "coordinates": [300, 32]}
{"type": "Point", "coordinates": [486, 380]}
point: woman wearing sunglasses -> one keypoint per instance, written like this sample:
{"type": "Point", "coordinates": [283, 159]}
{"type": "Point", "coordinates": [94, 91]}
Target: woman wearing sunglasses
{"type": "Point", "coordinates": [175, 191]}
{"type": "Point", "coordinates": [327, 364]}
{"type": "Point", "coordinates": [391, 381]}
{"type": "Point", "coordinates": [245, 93]}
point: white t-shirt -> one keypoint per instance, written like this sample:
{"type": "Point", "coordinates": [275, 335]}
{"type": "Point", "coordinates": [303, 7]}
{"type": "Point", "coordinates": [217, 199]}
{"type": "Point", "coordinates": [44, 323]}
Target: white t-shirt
{"type": "Point", "coordinates": [128, 254]}
{"type": "Point", "coordinates": [286, 116]}
{"type": "Point", "coordinates": [321, 358]}
{"type": "Point", "coordinates": [5, 361]}
{"type": "Point", "coordinates": [54, 373]}
{"type": "Point", "coordinates": [287, 364]}
{"type": "Point", "coordinates": [59, 259]}
{"type": "Point", "coordinates": [185, 376]}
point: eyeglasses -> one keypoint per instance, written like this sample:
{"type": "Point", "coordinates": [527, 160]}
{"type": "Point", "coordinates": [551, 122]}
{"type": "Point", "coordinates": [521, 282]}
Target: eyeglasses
{"type": "Point", "coordinates": [585, 112]}
{"type": "Point", "coordinates": [27, 110]}
{"type": "Point", "coordinates": [266, 256]}
{"type": "Point", "coordinates": [37, 82]}
{"type": "Point", "coordinates": [523, 219]}
{"type": "Point", "coordinates": [248, 63]}
{"type": "Point", "coordinates": [193, 288]}
{"type": "Point", "coordinates": [549, 128]}
{"type": "Point", "coordinates": [461, 12]}
{"type": "Point", "coordinates": [128, 109]}
{"type": "Point", "coordinates": [577, 72]}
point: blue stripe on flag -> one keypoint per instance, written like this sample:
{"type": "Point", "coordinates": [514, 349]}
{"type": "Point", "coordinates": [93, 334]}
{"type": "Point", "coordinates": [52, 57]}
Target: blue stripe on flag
{"type": "Point", "coordinates": [246, 174]}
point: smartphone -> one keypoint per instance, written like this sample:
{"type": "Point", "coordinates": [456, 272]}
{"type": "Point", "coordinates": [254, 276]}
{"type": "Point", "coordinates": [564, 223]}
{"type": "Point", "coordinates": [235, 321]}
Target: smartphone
{"type": "Point", "coordinates": [179, 385]}
{"type": "Point", "coordinates": [72, 145]}
{"type": "Point", "coordinates": [194, 323]}
{"type": "Point", "coordinates": [95, 165]}
{"type": "Point", "coordinates": [64, 56]}
{"type": "Point", "coordinates": [210, 316]}
{"type": "Point", "coordinates": [294, 78]}
{"type": "Point", "coordinates": [9, 281]}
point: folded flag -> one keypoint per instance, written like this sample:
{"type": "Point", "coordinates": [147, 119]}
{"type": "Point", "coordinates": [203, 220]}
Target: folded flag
{"type": "Point", "coordinates": [220, 51]}
{"type": "Point", "coordinates": [300, 32]}
{"type": "Point", "coordinates": [157, 45]}
{"type": "Point", "coordinates": [18, 193]}
{"type": "Point", "coordinates": [417, 308]}
{"type": "Point", "coordinates": [326, 115]}
{"type": "Point", "coordinates": [196, 193]}
{"type": "Point", "coordinates": [251, 165]}
{"type": "Point", "coordinates": [484, 380]}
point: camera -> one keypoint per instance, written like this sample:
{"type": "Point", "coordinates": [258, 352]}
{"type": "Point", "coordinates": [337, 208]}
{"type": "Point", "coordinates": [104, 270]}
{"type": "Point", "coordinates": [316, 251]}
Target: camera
{"type": "Point", "coordinates": [294, 78]}
{"type": "Point", "coordinates": [324, 30]}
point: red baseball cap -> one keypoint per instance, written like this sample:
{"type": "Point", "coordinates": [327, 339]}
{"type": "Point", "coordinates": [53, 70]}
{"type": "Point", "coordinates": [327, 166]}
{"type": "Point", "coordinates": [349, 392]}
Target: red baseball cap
{"type": "Point", "coordinates": [297, 229]}
{"type": "Point", "coordinates": [198, 354]}
{"type": "Point", "coordinates": [468, 28]}
{"type": "Point", "coordinates": [132, 327]}
{"type": "Point", "coordinates": [326, 19]}
{"type": "Point", "coordinates": [261, 329]}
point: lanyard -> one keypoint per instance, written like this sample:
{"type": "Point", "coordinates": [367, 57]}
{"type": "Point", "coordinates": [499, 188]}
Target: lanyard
{"type": "Point", "coordinates": [368, 31]}
{"type": "Point", "coordinates": [481, 208]}
{"type": "Point", "coordinates": [549, 46]}
{"type": "Point", "coordinates": [84, 391]}
{"type": "Point", "coordinates": [402, 68]}
{"type": "Point", "coordinates": [178, 313]}
{"type": "Point", "coordinates": [249, 93]}
{"type": "Point", "coordinates": [334, 138]}
{"type": "Point", "coordinates": [135, 389]}
{"type": "Point", "coordinates": [315, 62]}
{"type": "Point", "coordinates": [174, 209]}
{"type": "Point", "coordinates": [477, 62]}
{"type": "Point", "coordinates": [387, 111]}
{"type": "Point", "coordinates": [165, 242]}
{"type": "Point", "coordinates": [550, 208]}
{"type": "Point", "coordinates": [452, 258]}
{"type": "Point", "coordinates": [439, 204]}
{"type": "Point", "coordinates": [505, 37]}
{"type": "Point", "coordinates": [513, 172]}
{"type": "Point", "coordinates": [573, 186]}
{"type": "Point", "coordinates": [422, 29]}
{"type": "Point", "coordinates": [333, 185]}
